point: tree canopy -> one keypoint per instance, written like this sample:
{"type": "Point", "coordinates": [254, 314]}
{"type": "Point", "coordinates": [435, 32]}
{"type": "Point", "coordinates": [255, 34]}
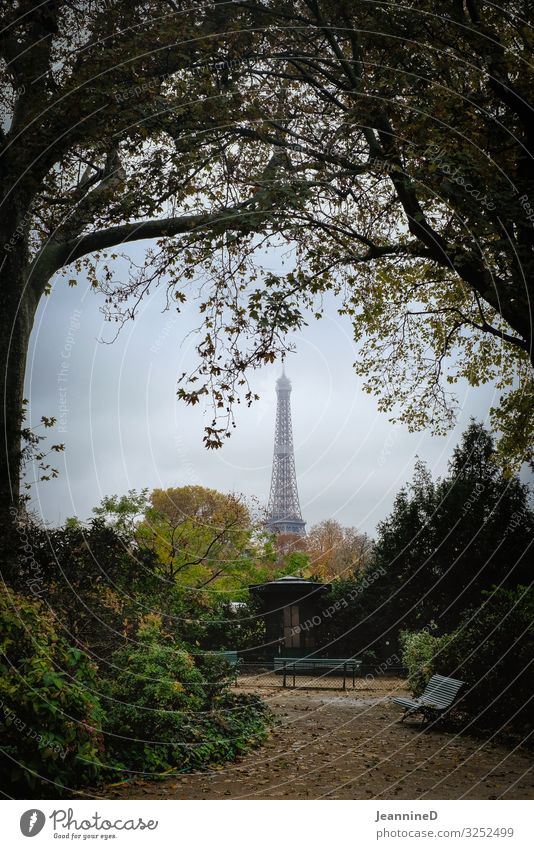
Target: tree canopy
{"type": "Point", "coordinates": [447, 540]}
{"type": "Point", "coordinates": [201, 537]}
{"type": "Point", "coordinates": [198, 537]}
{"type": "Point", "coordinates": [112, 132]}
{"type": "Point", "coordinates": [445, 543]}
{"type": "Point", "coordinates": [405, 138]}
{"type": "Point", "coordinates": [336, 551]}
{"type": "Point", "coordinates": [389, 148]}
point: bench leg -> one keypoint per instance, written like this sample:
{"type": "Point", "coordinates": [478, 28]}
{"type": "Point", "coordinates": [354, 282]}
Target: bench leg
{"type": "Point", "coordinates": [430, 718]}
{"type": "Point", "coordinates": [344, 676]}
{"type": "Point", "coordinates": [285, 673]}
{"type": "Point", "coordinates": [409, 712]}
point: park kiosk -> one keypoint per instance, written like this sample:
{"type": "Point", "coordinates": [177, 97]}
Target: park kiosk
{"type": "Point", "coordinates": [292, 610]}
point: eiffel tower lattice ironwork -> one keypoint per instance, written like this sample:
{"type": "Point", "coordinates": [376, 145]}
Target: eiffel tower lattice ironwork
{"type": "Point", "coordinates": [283, 512]}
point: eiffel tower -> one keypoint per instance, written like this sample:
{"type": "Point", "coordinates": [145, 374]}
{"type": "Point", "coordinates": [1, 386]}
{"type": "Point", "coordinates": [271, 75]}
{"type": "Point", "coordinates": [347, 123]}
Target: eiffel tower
{"type": "Point", "coordinates": [283, 512]}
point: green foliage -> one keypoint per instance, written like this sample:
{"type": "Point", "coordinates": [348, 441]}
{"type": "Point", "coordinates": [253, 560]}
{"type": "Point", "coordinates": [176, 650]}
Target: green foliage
{"type": "Point", "coordinates": [202, 539]}
{"type": "Point", "coordinates": [448, 540]}
{"type": "Point", "coordinates": [225, 628]}
{"type": "Point", "coordinates": [33, 452]}
{"type": "Point", "coordinates": [514, 420]}
{"type": "Point", "coordinates": [443, 544]}
{"type": "Point", "coordinates": [420, 656]}
{"type": "Point", "coordinates": [491, 650]}
{"type": "Point", "coordinates": [406, 542]}
{"type": "Point", "coordinates": [217, 674]}
{"type": "Point", "coordinates": [164, 713]}
{"type": "Point", "coordinates": [406, 213]}
{"type": "Point", "coordinates": [153, 686]}
{"type": "Point", "coordinates": [122, 511]}
{"type": "Point", "coordinates": [297, 563]}
{"type": "Point", "coordinates": [397, 208]}
{"type": "Point", "coordinates": [102, 577]}
{"type": "Point", "coordinates": [228, 731]}
{"type": "Point", "coordinates": [94, 577]}
{"type": "Point", "coordinates": [162, 709]}
{"type": "Point", "coordinates": [50, 716]}
{"type": "Point", "coordinates": [359, 623]}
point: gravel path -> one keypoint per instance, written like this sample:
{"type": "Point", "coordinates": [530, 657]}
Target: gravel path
{"type": "Point", "coordinates": [333, 745]}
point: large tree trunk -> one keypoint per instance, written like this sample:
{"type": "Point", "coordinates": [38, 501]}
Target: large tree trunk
{"type": "Point", "coordinates": [19, 303]}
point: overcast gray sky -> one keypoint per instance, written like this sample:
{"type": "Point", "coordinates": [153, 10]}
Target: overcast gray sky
{"type": "Point", "coordinates": [124, 428]}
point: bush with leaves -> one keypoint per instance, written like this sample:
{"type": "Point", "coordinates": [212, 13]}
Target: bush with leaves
{"type": "Point", "coordinates": [217, 672]}
{"type": "Point", "coordinates": [94, 577]}
{"type": "Point", "coordinates": [420, 655]}
{"type": "Point", "coordinates": [492, 650]}
{"type": "Point", "coordinates": [163, 713]}
{"type": "Point", "coordinates": [228, 628]}
{"type": "Point", "coordinates": [234, 725]}
{"type": "Point", "coordinates": [50, 717]}
{"type": "Point", "coordinates": [359, 624]}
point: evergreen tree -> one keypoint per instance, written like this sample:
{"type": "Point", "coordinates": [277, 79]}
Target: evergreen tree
{"type": "Point", "coordinates": [484, 528]}
{"type": "Point", "coordinates": [447, 541]}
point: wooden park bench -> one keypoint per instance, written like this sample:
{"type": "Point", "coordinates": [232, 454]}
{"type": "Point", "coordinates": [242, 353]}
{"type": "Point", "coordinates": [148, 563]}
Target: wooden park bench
{"type": "Point", "coordinates": [439, 695]}
{"type": "Point", "coordinates": [293, 665]}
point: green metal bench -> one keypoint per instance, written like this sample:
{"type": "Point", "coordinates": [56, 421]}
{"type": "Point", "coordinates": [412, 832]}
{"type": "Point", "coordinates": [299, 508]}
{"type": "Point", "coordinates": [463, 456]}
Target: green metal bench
{"type": "Point", "coordinates": [231, 657]}
{"type": "Point", "coordinates": [293, 665]}
{"type": "Point", "coordinates": [439, 695]}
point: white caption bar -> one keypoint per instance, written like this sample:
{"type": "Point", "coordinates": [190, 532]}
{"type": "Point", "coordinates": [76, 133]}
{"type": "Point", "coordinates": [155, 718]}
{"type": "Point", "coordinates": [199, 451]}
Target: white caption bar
{"type": "Point", "coordinates": [270, 825]}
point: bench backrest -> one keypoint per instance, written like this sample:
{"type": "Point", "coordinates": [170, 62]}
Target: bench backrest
{"type": "Point", "coordinates": [229, 656]}
{"type": "Point", "coordinates": [441, 690]}
{"type": "Point", "coordinates": [317, 662]}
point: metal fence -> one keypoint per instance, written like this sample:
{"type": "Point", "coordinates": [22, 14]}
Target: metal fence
{"type": "Point", "coordinates": [256, 676]}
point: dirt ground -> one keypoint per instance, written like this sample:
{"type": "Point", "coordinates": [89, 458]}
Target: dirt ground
{"type": "Point", "coordinates": [329, 744]}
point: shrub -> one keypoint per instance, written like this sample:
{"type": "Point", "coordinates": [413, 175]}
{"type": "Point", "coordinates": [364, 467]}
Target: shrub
{"type": "Point", "coordinates": [94, 578]}
{"type": "Point", "coordinates": [224, 627]}
{"type": "Point", "coordinates": [49, 716]}
{"type": "Point", "coordinates": [154, 686]}
{"type": "Point", "coordinates": [420, 655]}
{"type": "Point", "coordinates": [233, 726]}
{"type": "Point", "coordinates": [492, 650]}
{"type": "Point", "coordinates": [217, 674]}
{"type": "Point", "coordinates": [162, 712]}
